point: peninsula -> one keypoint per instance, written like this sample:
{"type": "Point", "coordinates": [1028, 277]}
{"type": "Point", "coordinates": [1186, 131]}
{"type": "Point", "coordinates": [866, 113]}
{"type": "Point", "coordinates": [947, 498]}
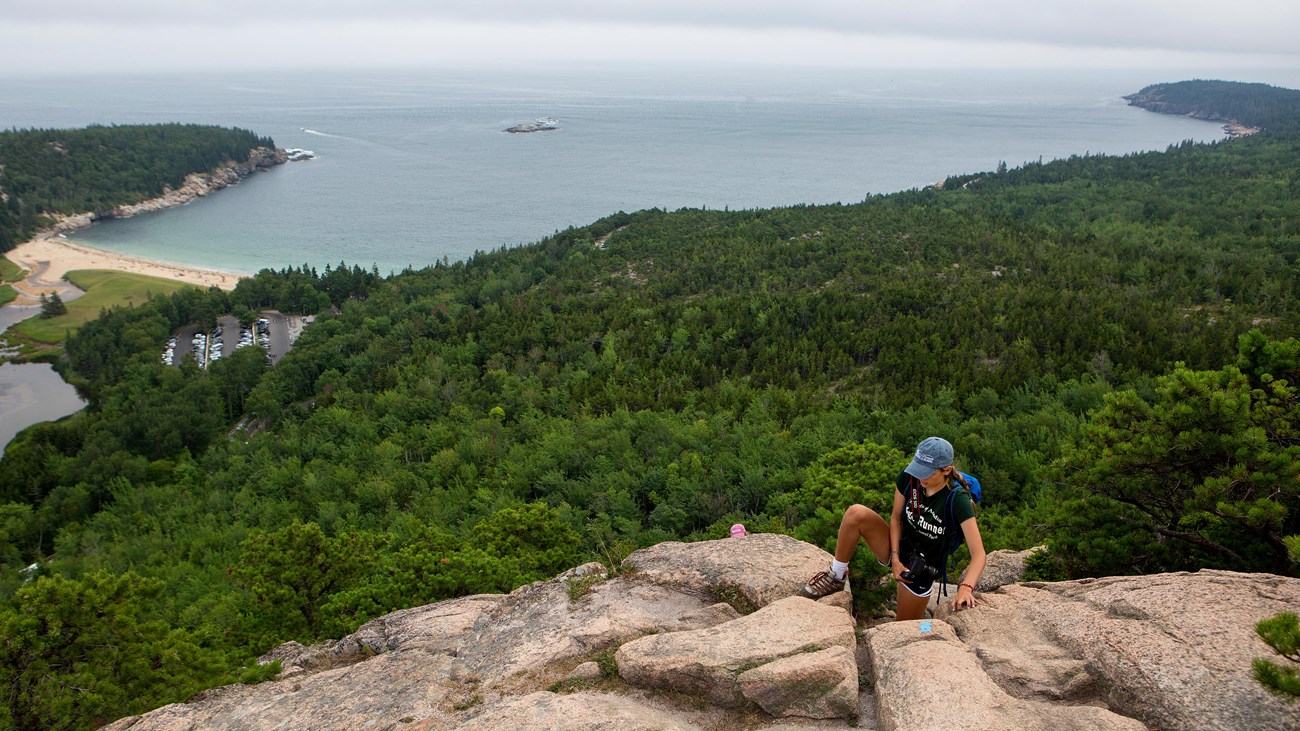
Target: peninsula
{"type": "Point", "coordinates": [55, 181]}
{"type": "Point", "coordinates": [1244, 108]}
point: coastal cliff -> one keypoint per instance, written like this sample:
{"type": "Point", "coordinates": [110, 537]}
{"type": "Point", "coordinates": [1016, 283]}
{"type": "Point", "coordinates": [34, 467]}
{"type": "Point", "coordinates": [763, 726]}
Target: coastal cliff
{"type": "Point", "coordinates": [48, 176]}
{"type": "Point", "coordinates": [1157, 99]}
{"type": "Point", "coordinates": [196, 185]}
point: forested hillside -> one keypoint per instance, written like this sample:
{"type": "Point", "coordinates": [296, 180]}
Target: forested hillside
{"type": "Point", "coordinates": [68, 171]}
{"type": "Point", "coordinates": [1110, 342]}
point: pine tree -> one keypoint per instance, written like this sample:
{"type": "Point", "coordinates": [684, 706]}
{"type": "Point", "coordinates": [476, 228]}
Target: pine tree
{"type": "Point", "coordinates": [1282, 633]}
{"type": "Point", "coordinates": [53, 306]}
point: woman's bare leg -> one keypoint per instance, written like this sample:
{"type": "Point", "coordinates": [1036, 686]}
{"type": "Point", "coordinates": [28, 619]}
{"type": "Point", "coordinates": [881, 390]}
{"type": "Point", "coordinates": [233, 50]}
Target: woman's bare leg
{"type": "Point", "coordinates": [862, 522]}
{"type": "Point", "coordinates": [910, 606]}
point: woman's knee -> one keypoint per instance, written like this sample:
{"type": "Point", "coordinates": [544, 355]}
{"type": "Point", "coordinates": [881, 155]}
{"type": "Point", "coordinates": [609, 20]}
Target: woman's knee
{"type": "Point", "coordinates": [860, 516]}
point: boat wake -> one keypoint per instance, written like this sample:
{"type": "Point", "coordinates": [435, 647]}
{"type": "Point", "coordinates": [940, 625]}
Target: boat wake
{"type": "Point", "coordinates": [358, 140]}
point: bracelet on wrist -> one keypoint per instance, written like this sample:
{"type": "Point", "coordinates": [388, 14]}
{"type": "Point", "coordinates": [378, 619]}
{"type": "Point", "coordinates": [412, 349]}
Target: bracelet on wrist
{"type": "Point", "coordinates": [968, 586]}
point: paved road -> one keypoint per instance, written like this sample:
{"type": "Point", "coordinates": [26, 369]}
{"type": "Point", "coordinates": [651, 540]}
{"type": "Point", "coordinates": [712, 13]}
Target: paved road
{"type": "Point", "coordinates": [279, 334]}
{"type": "Point", "coordinates": [184, 348]}
{"type": "Point", "coordinates": [229, 334]}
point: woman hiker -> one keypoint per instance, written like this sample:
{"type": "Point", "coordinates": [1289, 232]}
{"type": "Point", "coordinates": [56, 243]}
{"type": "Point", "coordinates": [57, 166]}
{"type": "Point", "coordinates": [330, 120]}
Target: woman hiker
{"type": "Point", "coordinates": [913, 543]}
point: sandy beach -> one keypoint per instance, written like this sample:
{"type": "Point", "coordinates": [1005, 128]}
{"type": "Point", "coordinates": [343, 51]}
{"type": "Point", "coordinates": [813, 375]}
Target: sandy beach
{"type": "Point", "coordinates": [49, 258]}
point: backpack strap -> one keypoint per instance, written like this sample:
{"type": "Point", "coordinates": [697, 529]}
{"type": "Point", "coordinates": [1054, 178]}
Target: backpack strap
{"type": "Point", "coordinates": [948, 547]}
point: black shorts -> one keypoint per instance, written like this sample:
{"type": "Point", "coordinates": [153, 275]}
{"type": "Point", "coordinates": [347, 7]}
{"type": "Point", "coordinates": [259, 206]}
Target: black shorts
{"type": "Point", "coordinates": [917, 588]}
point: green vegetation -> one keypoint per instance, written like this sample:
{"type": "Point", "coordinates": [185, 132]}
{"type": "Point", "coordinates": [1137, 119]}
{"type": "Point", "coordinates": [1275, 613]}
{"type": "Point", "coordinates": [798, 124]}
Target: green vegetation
{"type": "Point", "coordinates": [861, 473]}
{"type": "Point", "coordinates": [104, 290]}
{"type": "Point", "coordinates": [581, 586]}
{"type": "Point", "coordinates": [44, 172]}
{"type": "Point", "coordinates": [1110, 343]}
{"type": "Point", "coordinates": [1282, 633]}
{"type": "Point", "coordinates": [92, 649]}
{"type": "Point", "coordinates": [9, 271]}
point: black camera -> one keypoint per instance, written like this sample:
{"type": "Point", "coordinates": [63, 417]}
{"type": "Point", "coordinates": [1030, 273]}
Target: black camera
{"type": "Point", "coordinates": [919, 571]}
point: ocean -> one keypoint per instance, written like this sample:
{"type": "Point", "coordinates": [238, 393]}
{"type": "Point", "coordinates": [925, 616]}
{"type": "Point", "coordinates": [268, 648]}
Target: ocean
{"type": "Point", "coordinates": [414, 166]}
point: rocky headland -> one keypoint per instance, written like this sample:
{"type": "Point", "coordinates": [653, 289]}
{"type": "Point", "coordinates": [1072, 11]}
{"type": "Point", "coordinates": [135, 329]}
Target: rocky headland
{"type": "Point", "coordinates": [1154, 99]}
{"type": "Point", "coordinates": [711, 635]}
{"type": "Point", "coordinates": [196, 185]}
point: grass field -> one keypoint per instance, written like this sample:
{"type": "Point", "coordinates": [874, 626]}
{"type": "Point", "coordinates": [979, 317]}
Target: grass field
{"type": "Point", "coordinates": [7, 294]}
{"type": "Point", "coordinates": [104, 289]}
{"type": "Point", "coordinates": [9, 271]}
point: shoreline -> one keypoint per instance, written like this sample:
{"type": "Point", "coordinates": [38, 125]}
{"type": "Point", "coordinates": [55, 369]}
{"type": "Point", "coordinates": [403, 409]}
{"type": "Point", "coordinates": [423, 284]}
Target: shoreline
{"type": "Point", "coordinates": [49, 255]}
{"type": "Point", "coordinates": [48, 258]}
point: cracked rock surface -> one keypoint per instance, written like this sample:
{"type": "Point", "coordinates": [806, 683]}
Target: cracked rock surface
{"type": "Point", "coordinates": [710, 635]}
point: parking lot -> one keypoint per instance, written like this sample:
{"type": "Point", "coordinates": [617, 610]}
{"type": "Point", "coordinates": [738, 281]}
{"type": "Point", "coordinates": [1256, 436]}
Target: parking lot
{"type": "Point", "coordinates": [273, 331]}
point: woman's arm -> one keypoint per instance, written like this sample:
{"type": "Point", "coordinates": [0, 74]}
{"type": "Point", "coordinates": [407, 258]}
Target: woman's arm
{"type": "Point", "coordinates": [895, 534]}
{"type": "Point", "coordinates": [966, 590]}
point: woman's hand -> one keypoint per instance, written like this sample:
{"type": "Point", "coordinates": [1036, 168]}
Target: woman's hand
{"type": "Point", "coordinates": [899, 568]}
{"type": "Point", "coordinates": [965, 598]}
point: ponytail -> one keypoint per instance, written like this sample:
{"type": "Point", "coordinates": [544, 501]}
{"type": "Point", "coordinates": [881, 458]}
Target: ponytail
{"type": "Point", "coordinates": [959, 477]}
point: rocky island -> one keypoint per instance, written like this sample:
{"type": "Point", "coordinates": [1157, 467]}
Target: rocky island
{"type": "Point", "coordinates": [540, 125]}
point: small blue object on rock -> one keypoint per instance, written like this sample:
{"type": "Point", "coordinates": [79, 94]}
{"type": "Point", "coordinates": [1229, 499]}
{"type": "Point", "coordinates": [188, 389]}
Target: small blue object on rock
{"type": "Point", "coordinates": [925, 627]}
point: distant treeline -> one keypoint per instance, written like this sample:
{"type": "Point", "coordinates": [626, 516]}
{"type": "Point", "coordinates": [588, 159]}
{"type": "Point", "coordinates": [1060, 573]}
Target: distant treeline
{"type": "Point", "coordinates": [1271, 108]}
{"type": "Point", "coordinates": [48, 171]}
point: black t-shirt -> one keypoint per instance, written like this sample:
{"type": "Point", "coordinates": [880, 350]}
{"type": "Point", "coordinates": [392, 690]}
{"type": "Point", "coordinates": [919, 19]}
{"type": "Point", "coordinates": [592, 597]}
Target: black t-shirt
{"type": "Point", "coordinates": [923, 520]}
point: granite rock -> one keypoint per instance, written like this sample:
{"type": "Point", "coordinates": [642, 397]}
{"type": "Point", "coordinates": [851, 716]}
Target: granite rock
{"type": "Point", "coordinates": [708, 663]}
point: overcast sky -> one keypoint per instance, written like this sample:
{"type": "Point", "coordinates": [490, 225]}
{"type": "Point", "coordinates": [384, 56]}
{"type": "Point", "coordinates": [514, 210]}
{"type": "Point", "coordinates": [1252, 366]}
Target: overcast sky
{"type": "Point", "coordinates": [77, 36]}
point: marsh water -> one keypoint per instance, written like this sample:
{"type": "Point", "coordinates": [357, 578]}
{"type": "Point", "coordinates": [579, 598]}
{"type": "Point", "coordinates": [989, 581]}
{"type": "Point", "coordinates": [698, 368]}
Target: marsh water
{"type": "Point", "coordinates": [31, 393]}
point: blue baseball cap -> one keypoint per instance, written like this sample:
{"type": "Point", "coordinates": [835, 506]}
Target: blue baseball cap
{"type": "Point", "coordinates": [932, 454]}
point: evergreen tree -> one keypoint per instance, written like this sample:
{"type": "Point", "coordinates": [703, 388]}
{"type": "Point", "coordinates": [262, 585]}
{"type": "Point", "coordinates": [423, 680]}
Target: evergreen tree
{"type": "Point", "coordinates": [1207, 469]}
{"type": "Point", "coordinates": [77, 654]}
{"type": "Point", "coordinates": [1282, 633]}
{"type": "Point", "coordinates": [52, 306]}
